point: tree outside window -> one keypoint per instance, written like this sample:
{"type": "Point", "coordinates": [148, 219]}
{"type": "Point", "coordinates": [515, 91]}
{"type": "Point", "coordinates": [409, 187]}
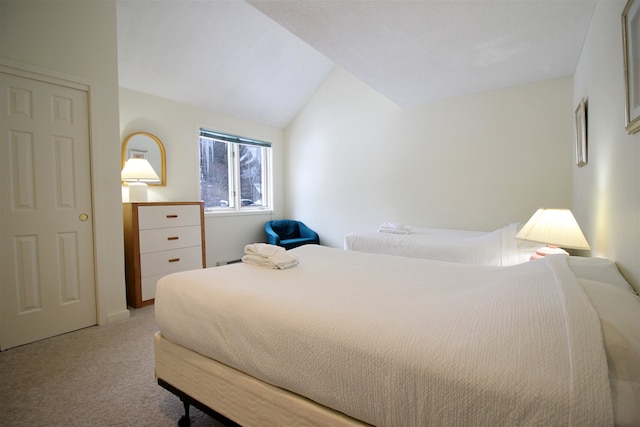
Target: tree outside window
{"type": "Point", "coordinates": [229, 163]}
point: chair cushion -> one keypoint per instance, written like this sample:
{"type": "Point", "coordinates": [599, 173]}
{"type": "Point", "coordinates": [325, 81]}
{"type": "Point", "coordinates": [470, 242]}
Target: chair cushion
{"type": "Point", "coordinates": [285, 229]}
{"type": "Point", "coordinates": [294, 243]}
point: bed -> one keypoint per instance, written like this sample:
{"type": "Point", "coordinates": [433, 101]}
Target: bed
{"type": "Point", "coordinates": [349, 338]}
{"type": "Point", "coordinates": [498, 247]}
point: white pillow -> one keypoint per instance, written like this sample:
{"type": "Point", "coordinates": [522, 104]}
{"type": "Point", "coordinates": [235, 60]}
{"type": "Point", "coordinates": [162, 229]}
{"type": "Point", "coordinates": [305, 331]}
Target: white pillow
{"type": "Point", "coordinates": [598, 269]}
{"type": "Point", "coordinates": [619, 312]}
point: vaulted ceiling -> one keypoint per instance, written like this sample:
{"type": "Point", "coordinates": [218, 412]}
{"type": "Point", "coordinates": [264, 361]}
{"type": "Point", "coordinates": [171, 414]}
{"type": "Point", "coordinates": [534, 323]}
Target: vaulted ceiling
{"type": "Point", "coordinates": [262, 60]}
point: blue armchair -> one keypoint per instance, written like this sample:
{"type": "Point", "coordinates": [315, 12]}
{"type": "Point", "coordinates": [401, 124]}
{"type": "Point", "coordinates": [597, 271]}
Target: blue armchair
{"type": "Point", "coordinates": [289, 233]}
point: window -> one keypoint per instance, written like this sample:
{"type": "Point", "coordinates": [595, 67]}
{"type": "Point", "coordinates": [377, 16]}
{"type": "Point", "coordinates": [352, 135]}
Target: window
{"type": "Point", "coordinates": [235, 172]}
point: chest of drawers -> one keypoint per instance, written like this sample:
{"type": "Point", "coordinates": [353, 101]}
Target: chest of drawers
{"type": "Point", "coordinates": [159, 239]}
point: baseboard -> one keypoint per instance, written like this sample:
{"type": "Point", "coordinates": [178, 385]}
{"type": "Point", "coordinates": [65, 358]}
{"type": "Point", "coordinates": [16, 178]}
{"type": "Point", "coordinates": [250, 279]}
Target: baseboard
{"type": "Point", "coordinates": [118, 317]}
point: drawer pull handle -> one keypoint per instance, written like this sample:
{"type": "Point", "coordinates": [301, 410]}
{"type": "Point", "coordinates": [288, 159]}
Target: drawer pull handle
{"type": "Point", "coordinates": [174, 260]}
{"type": "Point", "coordinates": [172, 216]}
{"type": "Point", "coordinates": [173, 238]}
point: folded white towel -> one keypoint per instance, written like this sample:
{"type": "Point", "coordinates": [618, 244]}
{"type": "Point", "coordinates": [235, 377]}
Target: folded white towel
{"type": "Point", "coordinates": [262, 249]}
{"type": "Point", "coordinates": [258, 260]}
{"type": "Point", "coordinates": [269, 256]}
{"type": "Point", "coordinates": [268, 262]}
{"type": "Point", "coordinates": [283, 260]}
{"type": "Point", "coordinates": [392, 227]}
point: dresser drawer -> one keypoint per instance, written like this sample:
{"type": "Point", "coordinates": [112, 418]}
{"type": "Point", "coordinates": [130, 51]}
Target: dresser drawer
{"type": "Point", "coordinates": [168, 216]}
{"type": "Point", "coordinates": [162, 239]}
{"type": "Point", "coordinates": [149, 285]}
{"type": "Point", "coordinates": [170, 261]}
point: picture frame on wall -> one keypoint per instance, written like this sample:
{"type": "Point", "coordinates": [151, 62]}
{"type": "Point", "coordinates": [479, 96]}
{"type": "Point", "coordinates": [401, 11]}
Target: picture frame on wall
{"type": "Point", "coordinates": [138, 154]}
{"type": "Point", "coordinates": [631, 47]}
{"type": "Point", "coordinates": [581, 133]}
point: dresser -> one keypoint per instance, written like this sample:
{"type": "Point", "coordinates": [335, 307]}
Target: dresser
{"type": "Point", "coordinates": [159, 239]}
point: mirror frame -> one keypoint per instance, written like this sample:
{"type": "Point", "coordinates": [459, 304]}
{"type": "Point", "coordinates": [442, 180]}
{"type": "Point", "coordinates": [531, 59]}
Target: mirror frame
{"type": "Point", "coordinates": [163, 166]}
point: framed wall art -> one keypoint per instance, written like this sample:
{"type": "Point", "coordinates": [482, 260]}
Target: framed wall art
{"type": "Point", "coordinates": [631, 46]}
{"type": "Point", "coordinates": [581, 133]}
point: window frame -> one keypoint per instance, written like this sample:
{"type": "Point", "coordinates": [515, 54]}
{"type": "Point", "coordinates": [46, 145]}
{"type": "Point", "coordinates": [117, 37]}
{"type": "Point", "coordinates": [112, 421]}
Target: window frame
{"type": "Point", "coordinates": [234, 142]}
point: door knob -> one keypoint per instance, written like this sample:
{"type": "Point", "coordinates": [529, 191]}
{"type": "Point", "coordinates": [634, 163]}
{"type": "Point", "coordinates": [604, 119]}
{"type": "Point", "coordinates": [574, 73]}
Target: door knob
{"type": "Point", "coordinates": [84, 217]}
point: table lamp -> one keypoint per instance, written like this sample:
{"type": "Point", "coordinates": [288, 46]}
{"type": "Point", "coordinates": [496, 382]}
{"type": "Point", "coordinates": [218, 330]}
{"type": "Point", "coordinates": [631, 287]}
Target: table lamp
{"type": "Point", "coordinates": [137, 172]}
{"type": "Point", "coordinates": [555, 227]}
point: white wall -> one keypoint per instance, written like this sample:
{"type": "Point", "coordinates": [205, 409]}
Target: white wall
{"type": "Point", "coordinates": [606, 196]}
{"type": "Point", "coordinates": [355, 160]}
{"type": "Point", "coordinates": [77, 39]}
{"type": "Point", "coordinates": [177, 125]}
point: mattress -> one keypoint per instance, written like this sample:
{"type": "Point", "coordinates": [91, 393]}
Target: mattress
{"type": "Point", "coordinates": [378, 339]}
{"type": "Point", "coordinates": [498, 247]}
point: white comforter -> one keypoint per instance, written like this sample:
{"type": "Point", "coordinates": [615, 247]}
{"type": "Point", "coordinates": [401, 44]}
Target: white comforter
{"type": "Point", "coordinates": [498, 247]}
{"type": "Point", "coordinates": [398, 341]}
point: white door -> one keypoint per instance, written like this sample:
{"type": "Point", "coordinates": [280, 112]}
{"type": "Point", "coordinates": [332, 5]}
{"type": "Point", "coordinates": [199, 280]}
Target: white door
{"type": "Point", "coordinates": [46, 231]}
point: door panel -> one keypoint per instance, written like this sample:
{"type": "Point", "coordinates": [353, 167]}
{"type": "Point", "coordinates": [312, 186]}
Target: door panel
{"type": "Point", "coordinates": [47, 263]}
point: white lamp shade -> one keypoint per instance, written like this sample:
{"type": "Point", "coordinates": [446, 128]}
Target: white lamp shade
{"type": "Point", "coordinates": [139, 170]}
{"type": "Point", "coordinates": [556, 227]}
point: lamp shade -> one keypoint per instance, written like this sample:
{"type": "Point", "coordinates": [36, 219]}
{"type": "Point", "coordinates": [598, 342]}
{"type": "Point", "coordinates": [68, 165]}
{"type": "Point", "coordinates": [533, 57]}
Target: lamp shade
{"type": "Point", "coordinates": [556, 227]}
{"type": "Point", "coordinates": [139, 170]}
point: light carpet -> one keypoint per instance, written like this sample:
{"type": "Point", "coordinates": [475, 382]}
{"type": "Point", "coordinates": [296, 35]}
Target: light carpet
{"type": "Point", "coordinates": [98, 376]}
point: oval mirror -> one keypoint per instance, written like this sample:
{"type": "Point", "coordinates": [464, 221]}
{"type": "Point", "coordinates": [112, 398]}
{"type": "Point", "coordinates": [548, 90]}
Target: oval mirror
{"type": "Point", "coordinates": [143, 145]}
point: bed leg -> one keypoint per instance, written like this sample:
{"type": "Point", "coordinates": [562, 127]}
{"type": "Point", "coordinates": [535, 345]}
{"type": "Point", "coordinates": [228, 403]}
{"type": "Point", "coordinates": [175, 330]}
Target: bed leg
{"type": "Point", "coordinates": [187, 401]}
{"type": "Point", "coordinates": [185, 421]}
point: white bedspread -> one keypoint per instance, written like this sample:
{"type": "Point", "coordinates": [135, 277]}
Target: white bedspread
{"type": "Point", "coordinates": [498, 247]}
{"type": "Point", "coordinates": [397, 341]}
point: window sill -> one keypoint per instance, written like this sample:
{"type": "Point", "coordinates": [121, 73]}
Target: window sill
{"type": "Point", "coordinates": [234, 212]}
